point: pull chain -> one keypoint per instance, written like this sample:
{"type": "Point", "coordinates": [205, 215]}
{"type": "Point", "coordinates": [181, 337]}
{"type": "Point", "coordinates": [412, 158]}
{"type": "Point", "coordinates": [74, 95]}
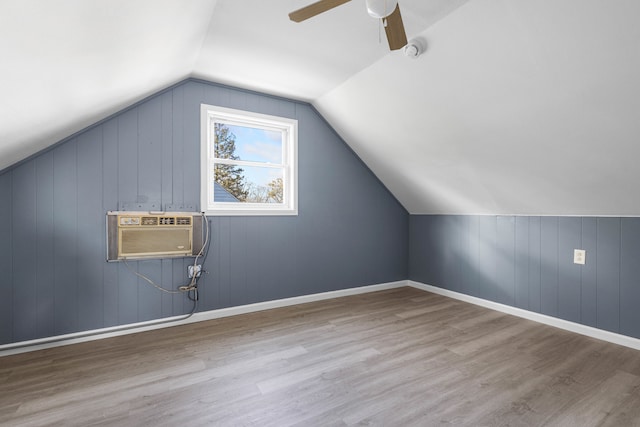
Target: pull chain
{"type": "Point", "coordinates": [382, 23]}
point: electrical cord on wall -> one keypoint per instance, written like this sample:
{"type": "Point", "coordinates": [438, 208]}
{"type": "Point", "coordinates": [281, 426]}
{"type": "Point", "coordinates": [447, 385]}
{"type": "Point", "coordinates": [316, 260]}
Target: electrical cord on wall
{"type": "Point", "coordinates": [190, 288]}
{"type": "Point", "coordinates": [195, 303]}
{"type": "Point", "coordinates": [151, 282]}
{"type": "Point", "coordinates": [194, 277]}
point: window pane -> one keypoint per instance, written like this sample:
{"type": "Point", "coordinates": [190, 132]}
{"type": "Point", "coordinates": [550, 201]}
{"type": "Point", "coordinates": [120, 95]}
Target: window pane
{"type": "Point", "coordinates": [224, 142]}
{"type": "Point", "coordinates": [249, 184]}
{"type": "Point", "coordinates": [247, 143]}
{"type": "Point", "coordinates": [229, 182]}
{"type": "Point", "coordinates": [249, 162]}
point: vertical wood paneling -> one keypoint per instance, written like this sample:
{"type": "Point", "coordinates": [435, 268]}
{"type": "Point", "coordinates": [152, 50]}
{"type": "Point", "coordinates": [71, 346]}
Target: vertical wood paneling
{"type": "Point", "coordinates": [569, 238]}
{"type": "Point", "coordinates": [608, 274]}
{"type": "Point", "coordinates": [166, 143]}
{"type": "Point", "coordinates": [6, 258]}
{"type": "Point", "coordinates": [25, 240]}
{"type": "Point", "coordinates": [348, 250]}
{"type": "Point", "coordinates": [452, 251]}
{"type": "Point", "coordinates": [238, 251]}
{"type": "Point", "coordinates": [505, 263]}
{"type": "Point", "coordinates": [65, 216]}
{"type": "Point", "coordinates": [211, 263]}
{"type": "Point", "coordinates": [535, 263]}
{"type": "Point", "coordinates": [394, 232]}
{"type": "Point", "coordinates": [215, 95]}
{"type": "Point", "coordinates": [418, 250]}
{"type": "Point", "coordinates": [110, 199]}
{"type": "Point", "coordinates": [223, 255]}
{"type": "Point", "coordinates": [178, 164]}
{"type": "Point", "coordinates": [630, 277]}
{"type": "Point", "coordinates": [309, 148]}
{"type": "Point", "coordinates": [150, 150]}
{"type": "Point", "coordinates": [128, 192]}
{"type": "Point", "coordinates": [166, 195]}
{"type": "Point", "coordinates": [44, 265]}
{"type": "Point", "coordinates": [166, 279]}
{"type": "Point", "coordinates": [238, 100]}
{"type": "Point", "coordinates": [588, 291]}
{"type": "Point", "coordinates": [149, 189]}
{"type": "Point", "coordinates": [528, 262]}
{"type": "Point", "coordinates": [524, 250]}
{"type": "Point", "coordinates": [289, 258]}
{"type": "Point", "coordinates": [474, 248]}
{"type": "Point", "coordinates": [522, 262]}
{"type": "Point", "coordinates": [433, 259]}
{"type": "Point", "coordinates": [193, 97]}
{"type": "Point", "coordinates": [205, 290]}
{"type": "Point", "coordinates": [91, 234]}
{"type": "Point", "coordinates": [128, 156]}
{"type": "Point", "coordinates": [149, 298]}
{"type": "Point", "coordinates": [436, 261]}
{"type": "Point", "coordinates": [549, 266]}
{"type": "Point", "coordinates": [260, 257]}
{"type": "Point", "coordinates": [463, 256]}
{"type": "Point", "coordinates": [178, 270]}
{"type": "Point", "coordinates": [487, 274]}
{"type": "Point", "coordinates": [213, 260]}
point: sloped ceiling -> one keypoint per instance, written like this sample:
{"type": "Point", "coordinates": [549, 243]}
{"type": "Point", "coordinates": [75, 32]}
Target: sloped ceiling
{"type": "Point", "coordinates": [516, 107]}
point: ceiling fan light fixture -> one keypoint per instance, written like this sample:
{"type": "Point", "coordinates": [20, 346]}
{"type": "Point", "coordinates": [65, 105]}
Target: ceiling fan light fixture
{"type": "Point", "coordinates": [381, 8]}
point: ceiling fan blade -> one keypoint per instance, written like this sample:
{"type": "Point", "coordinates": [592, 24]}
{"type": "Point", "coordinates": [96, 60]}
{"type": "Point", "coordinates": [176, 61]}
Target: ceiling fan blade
{"type": "Point", "coordinates": [394, 28]}
{"type": "Point", "coordinates": [315, 9]}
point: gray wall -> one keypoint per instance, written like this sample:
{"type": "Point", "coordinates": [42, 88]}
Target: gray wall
{"type": "Point", "coordinates": [527, 262]}
{"type": "Point", "coordinates": [350, 230]}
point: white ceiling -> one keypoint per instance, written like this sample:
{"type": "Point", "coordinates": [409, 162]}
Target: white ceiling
{"type": "Point", "coordinates": [516, 107]}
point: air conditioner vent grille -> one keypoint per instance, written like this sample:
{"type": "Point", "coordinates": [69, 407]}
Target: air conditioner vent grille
{"type": "Point", "coordinates": [167, 220]}
{"type": "Point", "coordinates": [183, 220]}
{"type": "Point", "coordinates": [149, 220]}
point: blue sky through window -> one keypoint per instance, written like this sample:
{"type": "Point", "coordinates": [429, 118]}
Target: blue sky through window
{"type": "Point", "coordinates": [258, 145]}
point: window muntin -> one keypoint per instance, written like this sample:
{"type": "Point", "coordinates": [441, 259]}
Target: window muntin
{"type": "Point", "coordinates": [248, 163]}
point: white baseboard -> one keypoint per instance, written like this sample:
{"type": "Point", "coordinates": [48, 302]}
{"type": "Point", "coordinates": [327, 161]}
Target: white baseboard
{"type": "Point", "coordinates": [537, 317]}
{"type": "Point", "coordinates": [96, 334]}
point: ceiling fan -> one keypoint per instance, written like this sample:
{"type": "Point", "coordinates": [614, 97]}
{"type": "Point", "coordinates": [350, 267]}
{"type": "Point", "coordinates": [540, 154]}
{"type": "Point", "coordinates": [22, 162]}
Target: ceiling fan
{"type": "Point", "coordinates": [386, 10]}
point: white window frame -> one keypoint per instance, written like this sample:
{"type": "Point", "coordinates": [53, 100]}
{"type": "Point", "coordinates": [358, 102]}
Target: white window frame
{"type": "Point", "coordinates": [289, 128]}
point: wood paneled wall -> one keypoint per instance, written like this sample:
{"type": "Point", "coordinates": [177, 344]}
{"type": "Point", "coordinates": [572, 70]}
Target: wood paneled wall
{"type": "Point", "coordinates": [350, 230]}
{"type": "Point", "coordinates": [527, 262]}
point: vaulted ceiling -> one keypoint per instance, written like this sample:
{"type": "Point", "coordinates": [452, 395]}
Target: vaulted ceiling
{"type": "Point", "coordinates": [516, 107]}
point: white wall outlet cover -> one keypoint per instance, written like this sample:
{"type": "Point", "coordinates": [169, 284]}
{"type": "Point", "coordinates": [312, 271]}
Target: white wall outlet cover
{"type": "Point", "coordinates": [579, 256]}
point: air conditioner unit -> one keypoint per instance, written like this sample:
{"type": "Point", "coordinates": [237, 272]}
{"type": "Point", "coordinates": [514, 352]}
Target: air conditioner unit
{"type": "Point", "coordinates": [146, 235]}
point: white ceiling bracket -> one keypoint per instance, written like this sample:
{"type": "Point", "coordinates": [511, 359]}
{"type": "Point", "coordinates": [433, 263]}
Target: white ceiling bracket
{"type": "Point", "coordinates": [414, 48]}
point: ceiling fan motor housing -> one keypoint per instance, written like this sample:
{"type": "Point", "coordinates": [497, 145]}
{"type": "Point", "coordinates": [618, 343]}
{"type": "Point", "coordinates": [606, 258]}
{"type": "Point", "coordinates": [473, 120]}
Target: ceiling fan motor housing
{"type": "Point", "coordinates": [381, 8]}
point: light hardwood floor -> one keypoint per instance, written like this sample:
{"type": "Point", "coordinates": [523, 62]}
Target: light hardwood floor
{"type": "Point", "coordinates": [393, 358]}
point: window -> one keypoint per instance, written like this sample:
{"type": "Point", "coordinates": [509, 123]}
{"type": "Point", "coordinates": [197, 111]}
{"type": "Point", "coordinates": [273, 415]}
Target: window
{"type": "Point", "coordinates": [248, 163]}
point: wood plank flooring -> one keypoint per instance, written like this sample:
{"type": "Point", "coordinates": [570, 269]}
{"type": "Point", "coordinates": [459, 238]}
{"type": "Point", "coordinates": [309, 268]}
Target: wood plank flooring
{"type": "Point", "coordinates": [401, 357]}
